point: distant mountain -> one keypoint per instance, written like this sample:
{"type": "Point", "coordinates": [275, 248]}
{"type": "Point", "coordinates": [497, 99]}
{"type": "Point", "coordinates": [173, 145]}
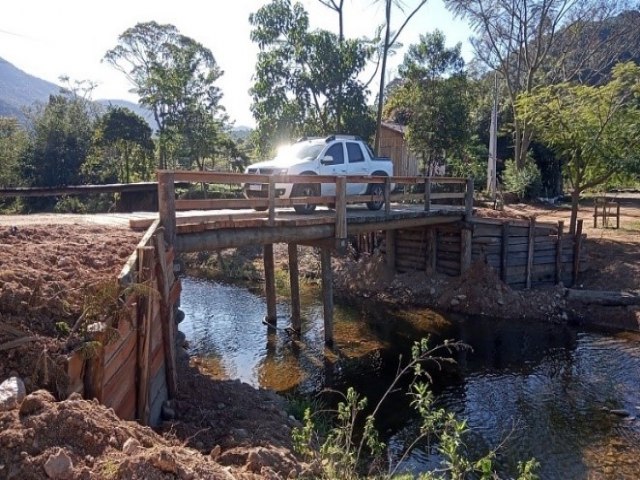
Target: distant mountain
{"type": "Point", "coordinates": [18, 89]}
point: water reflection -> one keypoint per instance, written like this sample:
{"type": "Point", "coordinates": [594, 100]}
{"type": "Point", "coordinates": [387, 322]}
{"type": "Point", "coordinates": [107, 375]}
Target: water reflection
{"type": "Point", "coordinates": [544, 391]}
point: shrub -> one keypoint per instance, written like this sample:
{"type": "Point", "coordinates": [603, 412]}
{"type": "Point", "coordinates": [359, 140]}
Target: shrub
{"type": "Point", "coordinates": [525, 183]}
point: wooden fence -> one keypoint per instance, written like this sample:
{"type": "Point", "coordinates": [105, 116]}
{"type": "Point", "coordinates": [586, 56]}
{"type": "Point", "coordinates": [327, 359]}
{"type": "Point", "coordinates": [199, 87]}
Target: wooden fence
{"type": "Point", "coordinates": [135, 372]}
{"type": "Point", "coordinates": [524, 254]}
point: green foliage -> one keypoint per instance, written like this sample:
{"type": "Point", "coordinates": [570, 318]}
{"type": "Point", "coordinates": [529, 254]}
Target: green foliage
{"type": "Point", "coordinates": [59, 141]}
{"type": "Point", "coordinates": [342, 452]}
{"type": "Point", "coordinates": [122, 149]}
{"type": "Point", "coordinates": [175, 77]}
{"type": "Point", "coordinates": [433, 100]}
{"type": "Point", "coordinates": [525, 182]}
{"type": "Point", "coordinates": [595, 130]}
{"type": "Point", "coordinates": [306, 82]}
{"type": "Point", "coordinates": [13, 141]}
{"type": "Point", "coordinates": [70, 204]}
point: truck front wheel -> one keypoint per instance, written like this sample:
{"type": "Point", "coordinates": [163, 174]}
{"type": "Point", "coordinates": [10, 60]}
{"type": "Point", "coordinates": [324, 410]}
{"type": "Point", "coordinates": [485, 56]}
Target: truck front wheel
{"type": "Point", "coordinates": [305, 190]}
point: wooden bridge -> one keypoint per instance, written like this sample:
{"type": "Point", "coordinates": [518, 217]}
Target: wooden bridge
{"type": "Point", "coordinates": [227, 223]}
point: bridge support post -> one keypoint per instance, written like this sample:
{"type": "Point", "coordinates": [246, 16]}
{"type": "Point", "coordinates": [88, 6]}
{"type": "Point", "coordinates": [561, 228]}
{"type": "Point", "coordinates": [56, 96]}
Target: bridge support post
{"type": "Point", "coordinates": [327, 294]}
{"type": "Point", "coordinates": [294, 282]}
{"type": "Point", "coordinates": [390, 249]}
{"type": "Point", "coordinates": [270, 285]}
{"type": "Point", "coordinates": [167, 205]}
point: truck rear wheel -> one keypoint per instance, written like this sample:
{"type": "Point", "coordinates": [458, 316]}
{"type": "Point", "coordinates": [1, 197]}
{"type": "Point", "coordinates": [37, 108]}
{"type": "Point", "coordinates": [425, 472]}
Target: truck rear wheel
{"type": "Point", "coordinates": [378, 190]}
{"type": "Point", "coordinates": [305, 190]}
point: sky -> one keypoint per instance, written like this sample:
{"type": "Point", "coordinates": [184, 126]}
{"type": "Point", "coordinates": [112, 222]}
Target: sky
{"type": "Point", "coordinates": [48, 38]}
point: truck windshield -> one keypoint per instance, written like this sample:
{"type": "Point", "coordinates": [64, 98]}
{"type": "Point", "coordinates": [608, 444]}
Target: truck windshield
{"type": "Point", "coordinates": [300, 150]}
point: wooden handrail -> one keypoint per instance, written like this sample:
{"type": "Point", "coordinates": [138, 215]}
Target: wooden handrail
{"type": "Point", "coordinates": [169, 205]}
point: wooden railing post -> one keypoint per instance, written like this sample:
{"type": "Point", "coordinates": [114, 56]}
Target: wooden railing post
{"type": "Point", "coordinates": [341, 213]}
{"type": "Point", "coordinates": [387, 196]}
{"type": "Point", "coordinates": [272, 201]}
{"type": "Point", "coordinates": [427, 194]}
{"type": "Point", "coordinates": [167, 205]}
{"type": "Point", "coordinates": [468, 200]}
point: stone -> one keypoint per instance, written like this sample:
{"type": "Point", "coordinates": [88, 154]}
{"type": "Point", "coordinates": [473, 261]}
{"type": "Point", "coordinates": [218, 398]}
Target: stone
{"type": "Point", "coordinates": [131, 446]}
{"type": "Point", "coordinates": [455, 302]}
{"type": "Point", "coordinates": [179, 316]}
{"type": "Point", "coordinates": [164, 462]}
{"type": "Point", "coordinates": [432, 291]}
{"type": "Point", "coordinates": [215, 452]}
{"type": "Point", "coordinates": [36, 401]}
{"type": "Point", "coordinates": [12, 392]}
{"type": "Point", "coordinates": [75, 396]}
{"type": "Point", "coordinates": [59, 466]}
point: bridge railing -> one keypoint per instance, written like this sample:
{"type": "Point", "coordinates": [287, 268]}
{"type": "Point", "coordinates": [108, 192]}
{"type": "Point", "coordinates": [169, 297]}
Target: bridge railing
{"type": "Point", "coordinates": [168, 204]}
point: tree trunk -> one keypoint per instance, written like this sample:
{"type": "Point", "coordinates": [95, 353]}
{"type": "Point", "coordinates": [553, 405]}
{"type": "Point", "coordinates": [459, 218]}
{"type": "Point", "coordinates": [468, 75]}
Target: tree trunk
{"type": "Point", "coordinates": [376, 146]}
{"type": "Point", "coordinates": [575, 199]}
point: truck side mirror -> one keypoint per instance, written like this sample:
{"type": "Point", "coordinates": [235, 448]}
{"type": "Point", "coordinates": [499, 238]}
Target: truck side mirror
{"type": "Point", "coordinates": [326, 160]}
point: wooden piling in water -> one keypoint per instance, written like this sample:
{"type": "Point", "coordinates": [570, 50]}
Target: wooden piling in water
{"type": "Point", "coordinates": [294, 282]}
{"type": "Point", "coordinates": [270, 284]}
{"type": "Point", "coordinates": [327, 294]}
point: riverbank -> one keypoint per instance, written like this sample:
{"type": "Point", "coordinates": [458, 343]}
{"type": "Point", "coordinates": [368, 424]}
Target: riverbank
{"type": "Point", "coordinates": [612, 257]}
{"type": "Point", "coordinates": [49, 276]}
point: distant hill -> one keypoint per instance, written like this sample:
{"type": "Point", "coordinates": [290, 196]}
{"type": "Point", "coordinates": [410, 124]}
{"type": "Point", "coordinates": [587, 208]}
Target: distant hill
{"type": "Point", "coordinates": [134, 107]}
{"type": "Point", "coordinates": [18, 89]}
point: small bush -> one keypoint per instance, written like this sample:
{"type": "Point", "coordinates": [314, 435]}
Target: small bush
{"type": "Point", "coordinates": [68, 204]}
{"type": "Point", "coordinates": [525, 183]}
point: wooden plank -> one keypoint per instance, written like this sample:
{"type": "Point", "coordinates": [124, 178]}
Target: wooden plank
{"type": "Point", "coordinates": [427, 194]}
{"type": "Point", "coordinates": [468, 200]}
{"type": "Point", "coordinates": [504, 260]}
{"type": "Point", "coordinates": [145, 313]}
{"type": "Point", "coordinates": [174, 293]}
{"type": "Point", "coordinates": [341, 213]}
{"type": "Point", "coordinates": [391, 249]}
{"type": "Point", "coordinates": [294, 282]}
{"type": "Point", "coordinates": [432, 249]}
{"type": "Point", "coordinates": [166, 315]}
{"type": "Point", "coordinates": [327, 294]}
{"type": "Point", "coordinates": [272, 201]}
{"type": "Point", "coordinates": [125, 347]}
{"type": "Point", "coordinates": [559, 252]}
{"type": "Point", "coordinates": [270, 284]}
{"type": "Point", "coordinates": [465, 250]}
{"type": "Point", "coordinates": [167, 205]}
{"type": "Point", "coordinates": [530, 251]}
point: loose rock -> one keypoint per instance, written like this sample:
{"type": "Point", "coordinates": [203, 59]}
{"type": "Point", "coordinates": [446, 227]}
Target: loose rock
{"type": "Point", "coordinates": [59, 466]}
{"type": "Point", "coordinates": [35, 402]}
{"type": "Point", "coordinates": [12, 392]}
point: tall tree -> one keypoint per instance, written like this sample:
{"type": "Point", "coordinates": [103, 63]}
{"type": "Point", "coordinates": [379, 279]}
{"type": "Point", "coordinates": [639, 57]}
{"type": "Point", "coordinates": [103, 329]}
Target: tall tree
{"type": "Point", "coordinates": [389, 40]}
{"type": "Point", "coordinates": [13, 141]}
{"type": "Point", "coordinates": [172, 74]}
{"type": "Point", "coordinates": [302, 75]}
{"type": "Point", "coordinates": [432, 99]}
{"type": "Point", "coordinates": [59, 141]}
{"type": "Point", "coordinates": [122, 148]}
{"type": "Point", "coordinates": [536, 42]}
{"type": "Point", "coordinates": [595, 130]}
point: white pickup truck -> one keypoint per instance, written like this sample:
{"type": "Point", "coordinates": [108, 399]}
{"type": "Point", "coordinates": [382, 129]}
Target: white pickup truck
{"type": "Point", "coordinates": [333, 155]}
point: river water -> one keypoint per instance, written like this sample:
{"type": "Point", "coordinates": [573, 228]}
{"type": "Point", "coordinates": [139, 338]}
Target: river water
{"type": "Point", "coordinates": [540, 391]}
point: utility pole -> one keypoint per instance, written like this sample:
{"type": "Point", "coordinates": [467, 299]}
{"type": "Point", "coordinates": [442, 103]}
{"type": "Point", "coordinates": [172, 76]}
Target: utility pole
{"type": "Point", "coordinates": [493, 144]}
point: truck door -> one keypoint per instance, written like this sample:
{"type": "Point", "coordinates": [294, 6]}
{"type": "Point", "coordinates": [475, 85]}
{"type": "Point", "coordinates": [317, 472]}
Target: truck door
{"type": "Point", "coordinates": [336, 167]}
{"type": "Point", "coordinates": [356, 165]}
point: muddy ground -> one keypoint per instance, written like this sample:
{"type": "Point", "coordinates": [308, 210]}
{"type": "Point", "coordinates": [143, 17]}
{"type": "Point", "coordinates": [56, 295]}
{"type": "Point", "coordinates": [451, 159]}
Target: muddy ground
{"type": "Point", "coordinates": [224, 429]}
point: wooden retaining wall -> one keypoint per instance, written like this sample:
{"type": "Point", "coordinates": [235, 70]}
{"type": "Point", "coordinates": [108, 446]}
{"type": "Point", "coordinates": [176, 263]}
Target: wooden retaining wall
{"type": "Point", "coordinates": [134, 371]}
{"type": "Point", "coordinates": [523, 253]}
